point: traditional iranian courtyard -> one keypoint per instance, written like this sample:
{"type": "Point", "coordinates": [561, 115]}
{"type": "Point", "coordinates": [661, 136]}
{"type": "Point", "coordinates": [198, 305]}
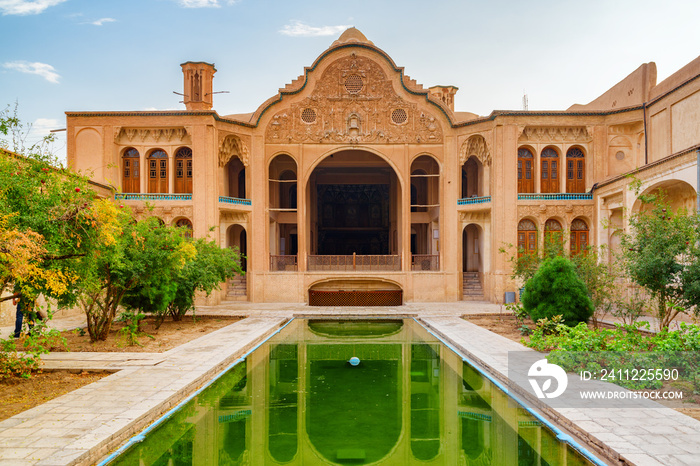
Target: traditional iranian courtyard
{"type": "Point", "coordinates": [363, 268]}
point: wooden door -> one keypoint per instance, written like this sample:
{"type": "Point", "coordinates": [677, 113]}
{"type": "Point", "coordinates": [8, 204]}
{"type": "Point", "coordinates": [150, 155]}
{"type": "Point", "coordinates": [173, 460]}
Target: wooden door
{"type": "Point", "coordinates": [575, 171]}
{"type": "Point", "coordinates": [131, 177]}
{"type": "Point", "coordinates": [158, 172]}
{"type": "Point", "coordinates": [526, 172]}
{"type": "Point", "coordinates": [550, 171]}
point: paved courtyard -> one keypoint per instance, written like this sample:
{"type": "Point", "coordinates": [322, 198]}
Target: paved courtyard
{"type": "Point", "coordinates": [83, 426]}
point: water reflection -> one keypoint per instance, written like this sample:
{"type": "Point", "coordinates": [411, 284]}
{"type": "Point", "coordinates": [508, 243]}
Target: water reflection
{"type": "Point", "coordinates": [296, 400]}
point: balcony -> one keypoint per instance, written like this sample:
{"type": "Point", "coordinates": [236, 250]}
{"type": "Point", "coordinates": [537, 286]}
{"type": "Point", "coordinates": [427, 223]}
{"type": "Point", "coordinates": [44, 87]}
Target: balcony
{"type": "Point", "coordinates": [234, 200]}
{"type": "Point", "coordinates": [555, 197]}
{"type": "Point", "coordinates": [152, 197]}
{"type": "Point", "coordinates": [425, 262]}
{"type": "Point", "coordinates": [283, 263]}
{"type": "Point", "coordinates": [474, 200]}
{"type": "Point", "coordinates": [354, 262]}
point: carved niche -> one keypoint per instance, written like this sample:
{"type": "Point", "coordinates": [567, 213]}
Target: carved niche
{"type": "Point", "coordinates": [128, 136]}
{"type": "Point", "coordinates": [231, 145]}
{"type": "Point", "coordinates": [477, 146]}
{"type": "Point", "coordinates": [353, 102]}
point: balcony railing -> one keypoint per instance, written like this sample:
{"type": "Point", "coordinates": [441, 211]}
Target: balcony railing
{"type": "Point", "coordinates": [474, 200]}
{"type": "Point", "coordinates": [152, 197]}
{"type": "Point", "coordinates": [234, 200]}
{"type": "Point", "coordinates": [354, 262]}
{"type": "Point", "coordinates": [555, 197]}
{"type": "Point", "coordinates": [283, 263]}
{"type": "Point", "coordinates": [425, 262]}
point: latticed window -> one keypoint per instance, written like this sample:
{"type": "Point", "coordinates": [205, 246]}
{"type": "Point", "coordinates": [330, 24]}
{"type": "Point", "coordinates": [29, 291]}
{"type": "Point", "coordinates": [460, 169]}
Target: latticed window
{"type": "Point", "coordinates": [158, 172]}
{"type": "Point", "coordinates": [131, 182]}
{"type": "Point", "coordinates": [575, 171]}
{"type": "Point", "coordinates": [183, 170]}
{"type": "Point", "coordinates": [527, 237]}
{"type": "Point", "coordinates": [578, 241]}
{"type": "Point", "coordinates": [526, 178]}
{"type": "Point", "coordinates": [550, 171]}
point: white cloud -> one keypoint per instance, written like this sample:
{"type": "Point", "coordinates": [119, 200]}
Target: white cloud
{"type": "Point", "coordinates": [47, 72]}
{"type": "Point", "coordinates": [26, 7]}
{"type": "Point", "coordinates": [199, 3]}
{"type": "Point", "coordinates": [101, 21]}
{"type": "Point", "coordinates": [299, 29]}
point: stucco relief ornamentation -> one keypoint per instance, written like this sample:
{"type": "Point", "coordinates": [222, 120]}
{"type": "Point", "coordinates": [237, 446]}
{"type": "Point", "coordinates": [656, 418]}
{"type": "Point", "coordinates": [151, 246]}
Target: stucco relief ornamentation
{"type": "Point", "coordinates": [477, 146]}
{"type": "Point", "coordinates": [231, 145]}
{"type": "Point", "coordinates": [127, 136]}
{"type": "Point", "coordinates": [234, 217]}
{"type": "Point", "coordinates": [555, 134]}
{"type": "Point", "coordinates": [354, 101]}
{"type": "Point", "coordinates": [565, 211]}
{"type": "Point", "coordinates": [475, 217]}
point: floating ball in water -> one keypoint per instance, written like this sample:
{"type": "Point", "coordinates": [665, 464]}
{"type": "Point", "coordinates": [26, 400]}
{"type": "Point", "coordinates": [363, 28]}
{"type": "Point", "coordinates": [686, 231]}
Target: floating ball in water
{"type": "Point", "coordinates": [354, 361]}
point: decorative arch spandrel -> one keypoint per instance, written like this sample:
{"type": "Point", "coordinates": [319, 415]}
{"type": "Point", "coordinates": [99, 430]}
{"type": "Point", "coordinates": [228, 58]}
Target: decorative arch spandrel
{"type": "Point", "coordinates": [354, 101]}
{"type": "Point", "coordinates": [231, 145]}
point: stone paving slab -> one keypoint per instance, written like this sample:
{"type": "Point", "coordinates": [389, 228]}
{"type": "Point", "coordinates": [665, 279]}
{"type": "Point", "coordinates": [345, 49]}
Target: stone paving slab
{"type": "Point", "coordinates": [99, 361]}
{"type": "Point", "coordinates": [643, 436]}
{"type": "Point", "coordinates": [85, 424]}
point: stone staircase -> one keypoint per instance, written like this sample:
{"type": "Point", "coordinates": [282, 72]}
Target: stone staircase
{"type": "Point", "coordinates": [471, 287]}
{"type": "Point", "coordinates": [236, 290]}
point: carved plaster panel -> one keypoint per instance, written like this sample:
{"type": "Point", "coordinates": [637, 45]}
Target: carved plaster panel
{"type": "Point", "coordinates": [353, 102]}
{"type": "Point", "coordinates": [231, 145]}
{"type": "Point", "coordinates": [477, 146]}
{"type": "Point", "coordinates": [127, 136]}
{"type": "Point", "coordinates": [475, 217]}
{"type": "Point", "coordinates": [234, 217]}
{"type": "Point", "coordinates": [555, 134]}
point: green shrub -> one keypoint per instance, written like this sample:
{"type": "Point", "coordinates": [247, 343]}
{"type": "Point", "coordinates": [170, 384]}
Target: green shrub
{"type": "Point", "coordinates": [556, 289]}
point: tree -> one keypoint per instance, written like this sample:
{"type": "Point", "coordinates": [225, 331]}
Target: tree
{"type": "Point", "coordinates": [47, 206]}
{"type": "Point", "coordinates": [661, 255]}
{"type": "Point", "coordinates": [556, 289]}
{"type": "Point", "coordinates": [132, 254]}
{"type": "Point", "coordinates": [211, 266]}
{"type": "Point", "coordinates": [599, 279]}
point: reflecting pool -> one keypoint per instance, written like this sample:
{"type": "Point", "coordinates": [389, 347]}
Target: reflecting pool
{"type": "Point", "coordinates": [297, 400]}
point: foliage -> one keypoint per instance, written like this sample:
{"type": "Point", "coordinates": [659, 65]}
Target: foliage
{"type": "Point", "coordinates": [520, 315]}
{"type": "Point", "coordinates": [24, 361]}
{"type": "Point", "coordinates": [661, 254]}
{"type": "Point", "coordinates": [625, 347]}
{"type": "Point", "coordinates": [556, 289]}
{"type": "Point", "coordinates": [599, 279]}
{"type": "Point", "coordinates": [132, 327]}
{"type": "Point", "coordinates": [630, 304]}
{"type": "Point", "coordinates": [210, 266]}
{"type": "Point", "coordinates": [130, 254]}
{"type": "Point", "coordinates": [46, 221]}
{"type": "Point", "coordinates": [549, 326]}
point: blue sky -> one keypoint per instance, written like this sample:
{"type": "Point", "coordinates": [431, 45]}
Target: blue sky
{"type": "Point", "coordinates": [71, 55]}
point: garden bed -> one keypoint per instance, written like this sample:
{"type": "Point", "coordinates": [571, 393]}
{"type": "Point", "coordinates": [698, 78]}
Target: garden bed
{"type": "Point", "coordinates": [507, 326]}
{"type": "Point", "coordinates": [19, 394]}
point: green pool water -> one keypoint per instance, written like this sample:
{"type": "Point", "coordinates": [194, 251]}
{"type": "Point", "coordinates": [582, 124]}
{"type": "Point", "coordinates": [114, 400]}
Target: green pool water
{"type": "Point", "coordinates": [296, 400]}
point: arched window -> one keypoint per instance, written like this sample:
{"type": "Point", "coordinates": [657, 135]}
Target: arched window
{"type": "Point", "coordinates": [550, 171]}
{"type": "Point", "coordinates": [185, 223]}
{"type": "Point", "coordinates": [579, 236]}
{"type": "Point", "coordinates": [158, 172]}
{"type": "Point", "coordinates": [553, 235]}
{"type": "Point", "coordinates": [575, 171]}
{"type": "Point", "coordinates": [527, 237]}
{"type": "Point", "coordinates": [183, 170]}
{"type": "Point", "coordinates": [526, 173]}
{"type": "Point", "coordinates": [131, 176]}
